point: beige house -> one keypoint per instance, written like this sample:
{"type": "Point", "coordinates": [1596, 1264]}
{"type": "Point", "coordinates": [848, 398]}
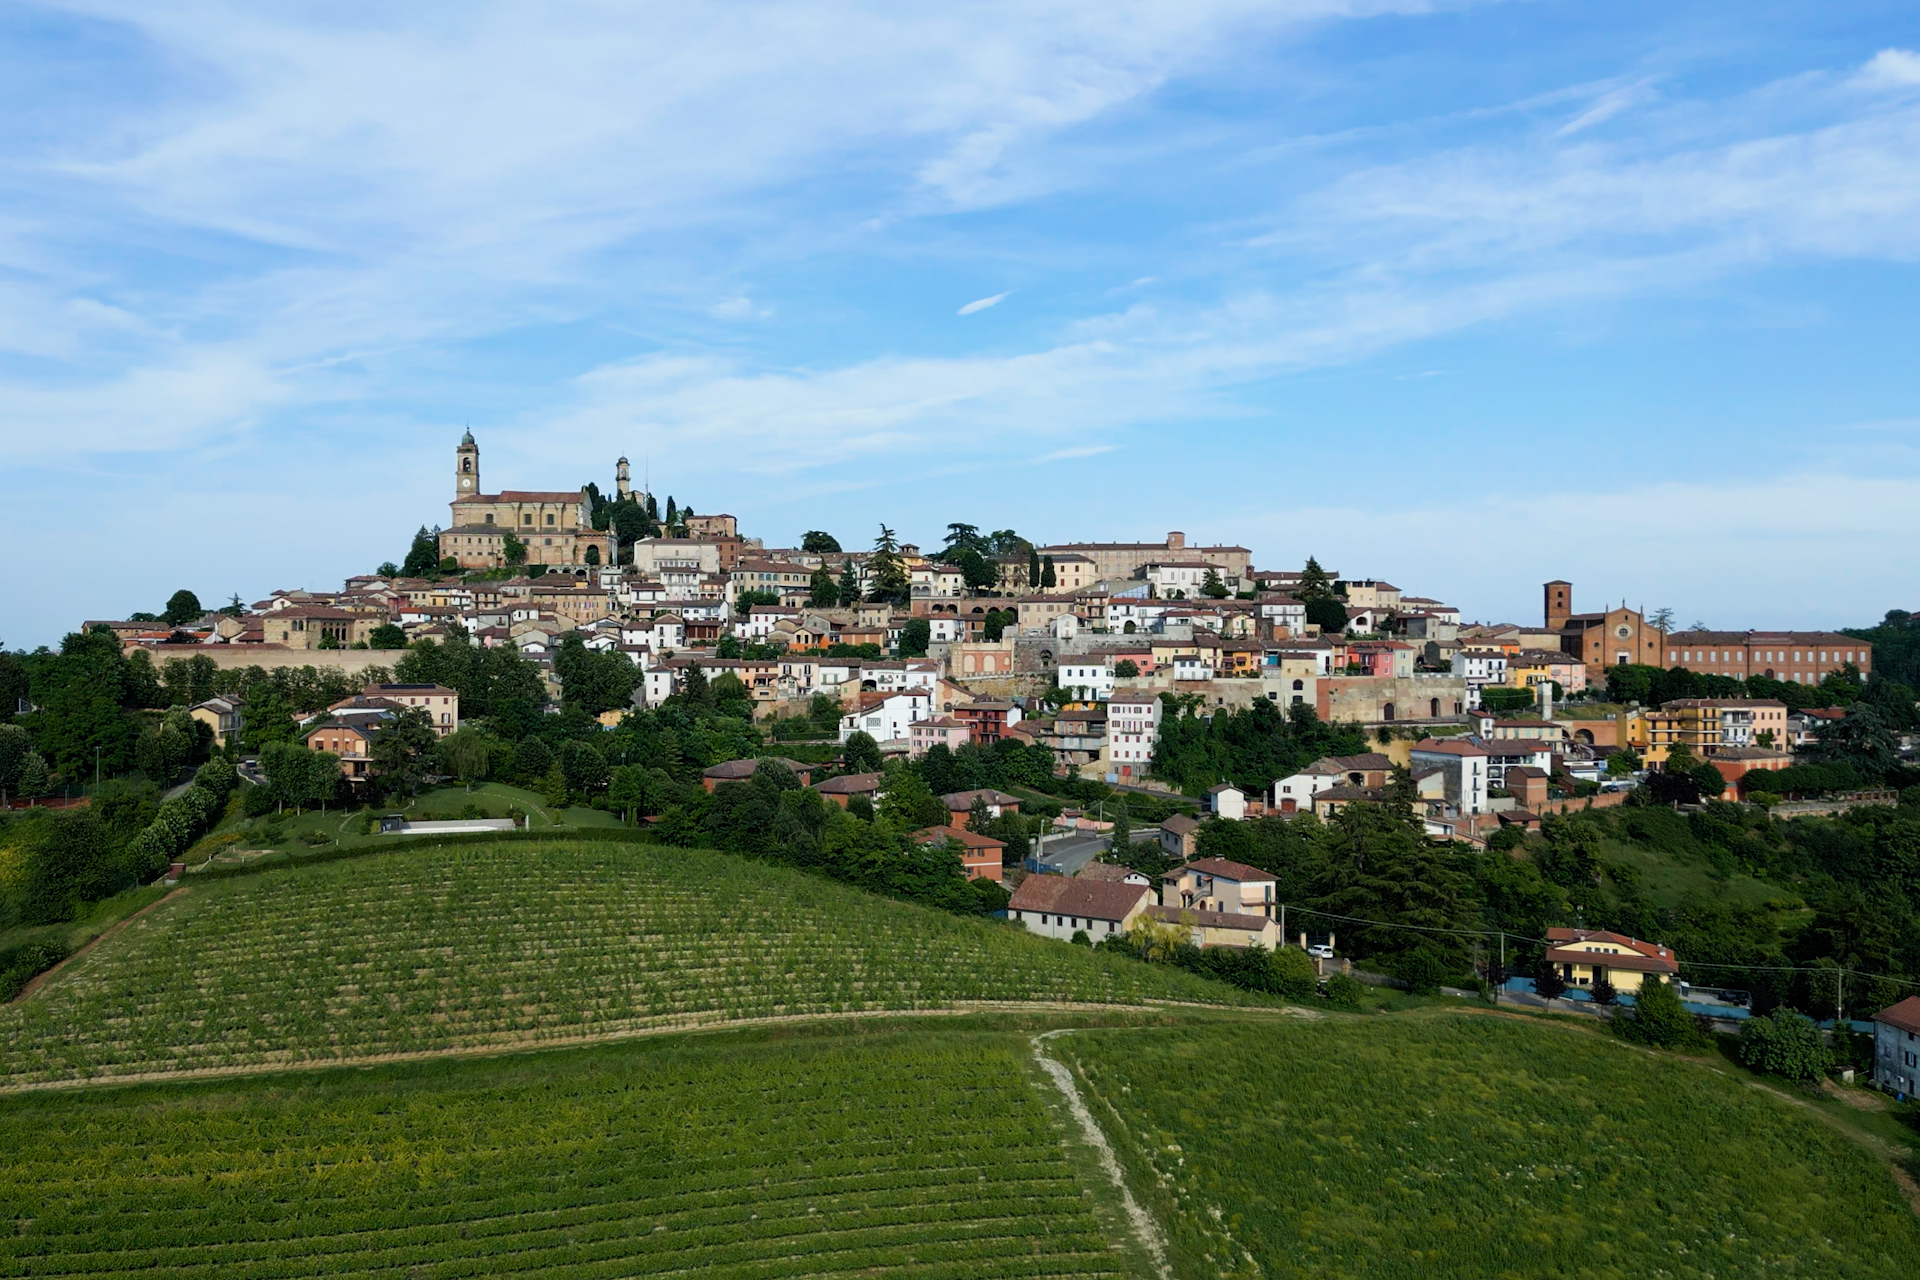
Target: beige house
{"type": "Point", "coordinates": [1587, 956]}
{"type": "Point", "coordinates": [224, 716]}
{"type": "Point", "coordinates": [312, 626]}
{"type": "Point", "coordinates": [441, 704]}
{"type": "Point", "coordinates": [1216, 884]}
{"type": "Point", "coordinates": [1220, 928]}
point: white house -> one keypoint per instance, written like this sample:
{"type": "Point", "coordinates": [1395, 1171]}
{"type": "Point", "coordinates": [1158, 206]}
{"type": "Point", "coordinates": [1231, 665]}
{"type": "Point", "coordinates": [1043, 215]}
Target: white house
{"type": "Point", "coordinates": [1227, 801]}
{"type": "Point", "coordinates": [1464, 764]}
{"type": "Point", "coordinates": [1283, 611]}
{"type": "Point", "coordinates": [1481, 667]}
{"type": "Point", "coordinates": [886, 716]}
{"type": "Point", "coordinates": [1086, 681]}
{"type": "Point", "coordinates": [1056, 907]}
{"type": "Point", "coordinates": [1896, 1047]}
{"type": "Point", "coordinates": [1133, 726]}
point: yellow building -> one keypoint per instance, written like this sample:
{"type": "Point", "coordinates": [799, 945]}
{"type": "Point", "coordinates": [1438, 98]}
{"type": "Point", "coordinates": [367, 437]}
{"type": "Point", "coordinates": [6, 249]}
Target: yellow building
{"type": "Point", "coordinates": [1588, 956]}
{"type": "Point", "coordinates": [554, 527]}
{"type": "Point", "coordinates": [1713, 726]}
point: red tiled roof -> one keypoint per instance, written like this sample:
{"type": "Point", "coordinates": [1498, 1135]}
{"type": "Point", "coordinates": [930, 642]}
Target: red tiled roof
{"type": "Point", "coordinates": [1905, 1015]}
{"type": "Point", "coordinates": [1222, 869]}
{"type": "Point", "coordinates": [1095, 899]}
{"type": "Point", "coordinates": [1644, 957]}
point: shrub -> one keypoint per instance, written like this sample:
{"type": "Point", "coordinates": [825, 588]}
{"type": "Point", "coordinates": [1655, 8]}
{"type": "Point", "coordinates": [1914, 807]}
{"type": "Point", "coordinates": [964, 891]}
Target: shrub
{"type": "Point", "coordinates": [1603, 992]}
{"type": "Point", "coordinates": [256, 802]}
{"type": "Point", "coordinates": [1344, 992]}
{"type": "Point", "coordinates": [1784, 1043]}
{"type": "Point", "coordinates": [22, 964]}
{"type": "Point", "coordinates": [1547, 981]}
{"type": "Point", "coordinates": [1660, 1019]}
{"type": "Point", "coordinates": [1080, 938]}
{"type": "Point", "coordinates": [1423, 970]}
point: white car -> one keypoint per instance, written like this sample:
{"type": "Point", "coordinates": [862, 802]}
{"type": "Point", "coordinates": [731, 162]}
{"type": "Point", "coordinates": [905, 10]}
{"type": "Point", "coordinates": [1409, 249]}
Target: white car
{"type": "Point", "coordinates": [1323, 952]}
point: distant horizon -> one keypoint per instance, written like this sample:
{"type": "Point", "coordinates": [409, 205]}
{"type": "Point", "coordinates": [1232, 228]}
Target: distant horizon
{"type": "Point", "coordinates": [1466, 297]}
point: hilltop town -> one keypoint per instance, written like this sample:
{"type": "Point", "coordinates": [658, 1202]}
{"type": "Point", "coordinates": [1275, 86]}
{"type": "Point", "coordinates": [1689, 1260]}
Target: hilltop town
{"type": "Point", "coordinates": [1083, 649]}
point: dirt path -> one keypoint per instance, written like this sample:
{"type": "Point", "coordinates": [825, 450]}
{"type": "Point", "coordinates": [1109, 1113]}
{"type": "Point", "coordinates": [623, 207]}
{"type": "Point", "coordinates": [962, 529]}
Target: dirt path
{"type": "Point", "coordinates": [1145, 1229]}
{"type": "Point", "coordinates": [676, 1026]}
{"type": "Point", "coordinates": [41, 980]}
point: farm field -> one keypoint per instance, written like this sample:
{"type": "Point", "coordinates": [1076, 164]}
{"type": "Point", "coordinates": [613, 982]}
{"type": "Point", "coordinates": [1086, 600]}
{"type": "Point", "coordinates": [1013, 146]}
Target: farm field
{"type": "Point", "coordinates": [924, 1153]}
{"type": "Point", "coordinates": [1447, 1145]}
{"type": "Point", "coordinates": [514, 944]}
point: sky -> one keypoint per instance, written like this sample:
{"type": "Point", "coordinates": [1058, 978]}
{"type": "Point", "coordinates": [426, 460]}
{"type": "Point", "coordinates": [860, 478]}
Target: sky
{"type": "Point", "coordinates": [1465, 296]}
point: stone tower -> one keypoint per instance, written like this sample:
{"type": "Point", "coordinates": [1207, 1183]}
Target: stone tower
{"type": "Point", "coordinates": [466, 468]}
{"type": "Point", "coordinates": [623, 480]}
{"type": "Point", "coordinates": [1559, 603]}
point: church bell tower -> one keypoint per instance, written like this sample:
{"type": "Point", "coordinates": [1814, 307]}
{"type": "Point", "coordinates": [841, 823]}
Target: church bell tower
{"type": "Point", "coordinates": [623, 480]}
{"type": "Point", "coordinates": [466, 468]}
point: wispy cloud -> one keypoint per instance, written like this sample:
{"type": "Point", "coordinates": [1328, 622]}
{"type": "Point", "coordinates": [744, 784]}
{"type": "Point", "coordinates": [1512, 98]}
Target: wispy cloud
{"type": "Point", "coordinates": [1608, 106]}
{"type": "Point", "coordinates": [981, 304]}
{"type": "Point", "coordinates": [1078, 451]}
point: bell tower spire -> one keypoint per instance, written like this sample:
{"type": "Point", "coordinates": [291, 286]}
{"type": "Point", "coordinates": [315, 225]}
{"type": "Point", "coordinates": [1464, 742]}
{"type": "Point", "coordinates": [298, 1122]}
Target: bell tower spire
{"type": "Point", "coordinates": [466, 468]}
{"type": "Point", "coordinates": [623, 480]}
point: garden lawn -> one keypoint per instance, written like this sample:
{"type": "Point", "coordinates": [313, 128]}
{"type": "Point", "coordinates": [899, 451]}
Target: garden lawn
{"type": "Point", "coordinates": [930, 1154]}
{"type": "Point", "coordinates": [515, 943]}
{"type": "Point", "coordinates": [1452, 1145]}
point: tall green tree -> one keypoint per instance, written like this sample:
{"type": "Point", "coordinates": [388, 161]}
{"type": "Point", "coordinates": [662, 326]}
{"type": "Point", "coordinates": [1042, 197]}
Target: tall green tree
{"type": "Point", "coordinates": [819, 542]}
{"type": "Point", "coordinates": [423, 556]}
{"type": "Point", "coordinates": [849, 588]}
{"type": "Point", "coordinates": [822, 593]}
{"type": "Point", "coordinates": [182, 607]}
{"type": "Point", "coordinates": [887, 571]}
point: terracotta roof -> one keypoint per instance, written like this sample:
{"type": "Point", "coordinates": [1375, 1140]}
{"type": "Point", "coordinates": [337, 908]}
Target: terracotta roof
{"type": "Point", "coordinates": [960, 801]}
{"type": "Point", "coordinates": [744, 768]}
{"type": "Point", "coordinates": [849, 784]}
{"type": "Point", "coordinates": [1643, 957]}
{"type": "Point", "coordinates": [1096, 899]}
{"type": "Point", "coordinates": [1905, 1015]}
{"type": "Point", "coordinates": [973, 840]}
{"type": "Point", "coordinates": [1180, 824]}
{"type": "Point", "coordinates": [1209, 919]}
{"type": "Point", "coordinates": [1222, 869]}
{"type": "Point", "coordinates": [1105, 871]}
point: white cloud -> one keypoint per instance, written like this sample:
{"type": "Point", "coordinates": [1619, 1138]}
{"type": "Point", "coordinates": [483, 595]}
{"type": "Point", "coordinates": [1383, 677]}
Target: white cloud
{"type": "Point", "coordinates": [1897, 67]}
{"type": "Point", "coordinates": [981, 304]}
{"type": "Point", "coordinates": [1078, 451]}
{"type": "Point", "coordinates": [1608, 106]}
{"type": "Point", "coordinates": [739, 308]}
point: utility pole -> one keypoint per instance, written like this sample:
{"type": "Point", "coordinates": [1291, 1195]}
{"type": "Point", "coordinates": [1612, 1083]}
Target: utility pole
{"type": "Point", "coordinates": [96, 768]}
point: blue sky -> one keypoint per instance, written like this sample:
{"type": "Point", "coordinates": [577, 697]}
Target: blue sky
{"type": "Point", "coordinates": [1464, 296]}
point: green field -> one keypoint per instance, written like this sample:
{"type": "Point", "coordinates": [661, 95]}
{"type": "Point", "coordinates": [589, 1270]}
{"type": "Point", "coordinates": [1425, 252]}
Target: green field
{"type": "Point", "coordinates": [513, 944]}
{"type": "Point", "coordinates": [1447, 1145]}
{"type": "Point", "coordinates": [925, 1154]}
{"type": "Point", "coordinates": [243, 841]}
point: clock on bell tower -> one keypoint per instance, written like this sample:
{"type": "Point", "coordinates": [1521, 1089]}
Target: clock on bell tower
{"type": "Point", "coordinates": [466, 467]}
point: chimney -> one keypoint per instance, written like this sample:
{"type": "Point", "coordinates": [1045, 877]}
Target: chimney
{"type": "Point", "coordinates": [1176, 541]}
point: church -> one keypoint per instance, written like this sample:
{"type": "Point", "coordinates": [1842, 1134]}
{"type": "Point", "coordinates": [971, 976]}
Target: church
{"type": "Point", "coordinates": [553, 527]}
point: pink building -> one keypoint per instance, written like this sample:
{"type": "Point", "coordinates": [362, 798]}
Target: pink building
{"type": "Point", "coordinates": [944, 730]}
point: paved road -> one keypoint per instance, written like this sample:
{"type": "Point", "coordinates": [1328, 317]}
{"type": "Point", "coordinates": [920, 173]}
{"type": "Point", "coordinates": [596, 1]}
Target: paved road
{"type": "Point", "coordinates": [1070, 853]}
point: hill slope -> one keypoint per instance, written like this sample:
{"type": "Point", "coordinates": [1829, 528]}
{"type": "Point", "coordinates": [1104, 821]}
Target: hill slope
{"type": "Point", "coordinates": [1460, 1146]}
{"type": "Point", "coordinates": [497, 946]}
{"type": "Point", "coordinates": [924, 1155]}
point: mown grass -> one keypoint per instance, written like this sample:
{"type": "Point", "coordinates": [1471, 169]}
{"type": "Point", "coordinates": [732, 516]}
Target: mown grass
{"type": "Point", "coordinates": [919, 1155]}
{"type": "Point", "coordinates": [1441, 1145]}
{"type": "Point", "coordinates": [502, 944]}
{"type": "Point", "coordinates": [240, 841]}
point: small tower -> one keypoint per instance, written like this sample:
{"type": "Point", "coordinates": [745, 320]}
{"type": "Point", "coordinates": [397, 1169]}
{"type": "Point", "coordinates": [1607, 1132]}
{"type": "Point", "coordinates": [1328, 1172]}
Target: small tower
{"type": "Point", "coordinates": [623, 480]}
{"type": "Point", "coordinates": [1559, 603]}
{"type": "Point", "coordinates": [466, 468]}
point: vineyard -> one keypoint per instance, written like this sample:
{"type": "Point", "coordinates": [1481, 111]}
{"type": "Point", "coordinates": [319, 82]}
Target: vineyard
{"type": "Point", "coordinates": [1451, 1146]}
{"type": "Point", "coordinates": [519, 945]}
{"type": "Point", "coordinates": [923, 1155]}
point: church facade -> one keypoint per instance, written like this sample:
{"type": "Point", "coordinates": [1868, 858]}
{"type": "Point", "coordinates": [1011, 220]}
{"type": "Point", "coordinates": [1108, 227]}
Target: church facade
{"type": "Point", "coordinates": [554, 527]}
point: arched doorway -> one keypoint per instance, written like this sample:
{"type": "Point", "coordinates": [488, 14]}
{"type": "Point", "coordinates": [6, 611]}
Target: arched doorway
{"type": "Point", "coordinates": [1433, 708]}
{"type": "Point", "coordinates": [1386, 712]}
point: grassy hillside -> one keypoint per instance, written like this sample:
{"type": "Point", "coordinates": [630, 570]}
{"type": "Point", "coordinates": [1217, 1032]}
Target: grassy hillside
{"type": "Point", "coordinates": [500, 945]}
{"type": "Point", "coordinates": [928, 1154]}
{"type": "Point", "coordinates": [1458, 1146]}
